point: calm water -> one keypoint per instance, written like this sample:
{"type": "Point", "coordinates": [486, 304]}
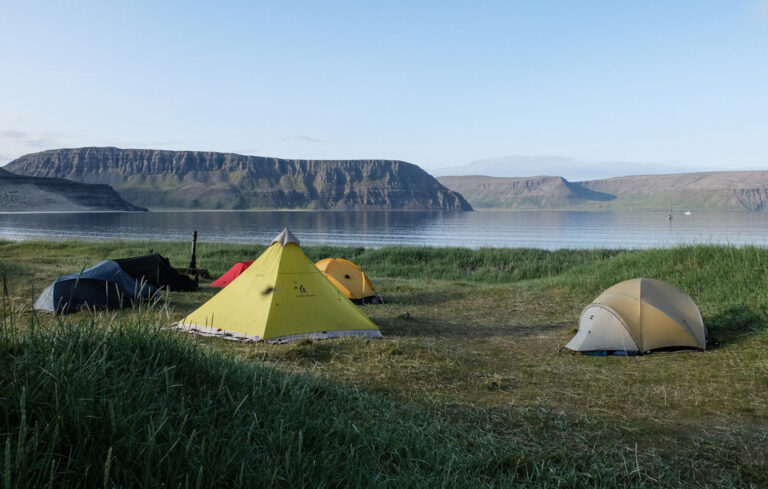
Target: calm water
{"type": "Point", "coordinates": [538, 229]}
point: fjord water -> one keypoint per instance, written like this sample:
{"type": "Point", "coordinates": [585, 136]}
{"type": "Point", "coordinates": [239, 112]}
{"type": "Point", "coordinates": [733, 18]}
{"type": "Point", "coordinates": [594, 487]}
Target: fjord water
{"type": "Point", "coordinates": [535, 229]}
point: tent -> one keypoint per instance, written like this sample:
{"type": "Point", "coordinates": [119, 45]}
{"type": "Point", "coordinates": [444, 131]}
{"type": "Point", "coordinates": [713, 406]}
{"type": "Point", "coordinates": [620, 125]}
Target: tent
{"type": "Point", "coordinates": [231, 274]}
{"type": "Point", "coordinates": [282, 296]}
{"type": "Point", "coordinates": [156, 270]}
{"type": "Point", "coordinates": [349, 278]}
{"type": "Point", "coordinates": [640, 315]}
{"type": "Point", "coordinates": [104, 286]}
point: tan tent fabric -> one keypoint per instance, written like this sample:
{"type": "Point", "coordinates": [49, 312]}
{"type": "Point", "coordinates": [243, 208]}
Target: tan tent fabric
{"type": "Point", "coordinates": [347, 277]}
{"type": "Point", "coordinates": [640, 315]}
{"type": "Point", "coordinates": [282, 296]}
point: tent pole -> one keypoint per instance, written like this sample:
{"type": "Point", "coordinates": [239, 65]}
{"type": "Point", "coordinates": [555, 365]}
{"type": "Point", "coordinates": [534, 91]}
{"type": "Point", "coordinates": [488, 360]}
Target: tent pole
{"type": "Point", "coordinates": [193, 258]}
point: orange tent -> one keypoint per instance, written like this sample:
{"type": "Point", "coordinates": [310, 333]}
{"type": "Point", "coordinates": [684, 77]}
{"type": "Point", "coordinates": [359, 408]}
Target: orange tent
{"type": "Point", "coordinates": [231, 274]}
{"type": "Point", "coordinates": [349, 279]}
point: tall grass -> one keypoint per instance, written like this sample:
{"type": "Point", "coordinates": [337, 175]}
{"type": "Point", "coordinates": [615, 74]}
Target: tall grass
{"type": "Point", "coordinates": [492, 265]}
{"type": "Point", "coordinates": [466, 390]}
{"type": "Point", "coordinates": [729, 284]}
{"type": "Point", "coordinates": [116, 401]}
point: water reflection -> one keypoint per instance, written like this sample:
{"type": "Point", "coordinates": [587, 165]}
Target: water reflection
{"type": "Point", "coordinates": [539, 229]}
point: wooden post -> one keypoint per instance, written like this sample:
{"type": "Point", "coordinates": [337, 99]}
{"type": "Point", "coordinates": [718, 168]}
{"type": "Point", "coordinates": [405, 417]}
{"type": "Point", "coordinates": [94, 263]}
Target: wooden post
{"type": "Point", "coordinates": [193, 259]}
{"type": "Point", "coordinates": [192, 270]}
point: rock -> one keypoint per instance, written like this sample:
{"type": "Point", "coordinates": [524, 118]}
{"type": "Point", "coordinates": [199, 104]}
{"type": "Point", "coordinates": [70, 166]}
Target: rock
{"type": "Point", "coordinates": [39, 194]}
{"type": "Point", "coordinates": [205, 180]}
{"type": "Point", "coordinates": [732, 190]}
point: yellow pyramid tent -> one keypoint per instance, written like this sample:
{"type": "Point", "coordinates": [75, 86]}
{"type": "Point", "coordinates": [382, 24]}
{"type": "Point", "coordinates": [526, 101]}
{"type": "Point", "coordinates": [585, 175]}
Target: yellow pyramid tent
{"type": "Point", "coordinates": [282, 296]}
{"type": "Point", "coordinates": [640, 315]}
{"type": "Point", "coordinates": [349, 278]}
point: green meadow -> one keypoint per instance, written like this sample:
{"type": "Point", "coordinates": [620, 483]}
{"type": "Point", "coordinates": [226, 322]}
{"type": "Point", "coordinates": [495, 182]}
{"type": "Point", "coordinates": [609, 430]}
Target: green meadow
{"type": "Point", "coordinates": [468, 388]}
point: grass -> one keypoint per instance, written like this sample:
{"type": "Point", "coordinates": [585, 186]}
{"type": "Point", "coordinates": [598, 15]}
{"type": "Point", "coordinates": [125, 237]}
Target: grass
{"type": "Point", "coordinates": [467, 389]}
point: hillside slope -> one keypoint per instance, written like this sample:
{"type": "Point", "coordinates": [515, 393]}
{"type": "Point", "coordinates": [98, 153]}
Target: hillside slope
{"type": "Point", "coordinates": [36, 194]}
{"type": "Point", "coordinates": [738, 190]}
{"type": "Point", "coordinates": [206, 180]}
{"type": "Point", "coordinates": [543, 192]}
{"type": "Point", "coordinates": [742, 190]}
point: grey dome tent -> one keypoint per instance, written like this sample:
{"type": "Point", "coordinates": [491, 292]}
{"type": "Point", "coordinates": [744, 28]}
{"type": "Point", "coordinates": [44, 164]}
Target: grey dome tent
{"type": "Point", "coordinates": [640, 315]}
{"type": "Point", "coordinates": [156, 270]}
{"type": "Point", "coordinates": [104, 286]}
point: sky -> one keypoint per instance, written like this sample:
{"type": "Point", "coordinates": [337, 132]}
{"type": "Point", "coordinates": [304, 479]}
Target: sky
{"type": "Point", "coordinates": [614, 86]}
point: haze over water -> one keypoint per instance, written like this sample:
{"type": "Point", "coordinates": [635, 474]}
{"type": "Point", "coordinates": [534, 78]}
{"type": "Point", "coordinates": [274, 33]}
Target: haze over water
{"type": "Point", "coordinates": [534, 229]}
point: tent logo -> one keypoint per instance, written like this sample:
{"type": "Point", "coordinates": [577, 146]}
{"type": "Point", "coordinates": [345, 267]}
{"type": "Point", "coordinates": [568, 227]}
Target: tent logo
{"type": "Point", "coordinates": [302, 291]}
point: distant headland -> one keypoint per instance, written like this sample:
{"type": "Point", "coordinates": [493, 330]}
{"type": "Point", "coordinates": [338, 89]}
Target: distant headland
{"type": "Point", "coordinates": [728, 190]}
{"type": "Point", "coordinates": [159, 179]}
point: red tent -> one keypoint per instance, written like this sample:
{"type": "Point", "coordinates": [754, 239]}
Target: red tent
{"type": "Point", "coordinates": [231, 274]}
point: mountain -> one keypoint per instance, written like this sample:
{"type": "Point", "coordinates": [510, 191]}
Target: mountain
{"type": "Point", "coordinates": [22, 193]}
{"type": "Point", "coordinates": [737, 190]}
{"type": "Point", "coordinates": [205, 180]}
{"type": "Point", "coordinates": [742, 190]}
{"type": "Point", "coordinates": [540, 192]}
{"type": "Point", "coordinates": [572, 169]}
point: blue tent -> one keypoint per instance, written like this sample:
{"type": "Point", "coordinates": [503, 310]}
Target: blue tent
{"type": "Point", "coordinates": [104, 286]}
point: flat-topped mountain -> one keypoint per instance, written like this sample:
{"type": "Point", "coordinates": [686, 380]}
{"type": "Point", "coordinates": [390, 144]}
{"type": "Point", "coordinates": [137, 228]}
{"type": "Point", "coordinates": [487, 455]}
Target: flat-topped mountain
{"type": "Point", "coordinates": [734, 190]}
{"type": "Point", "coordinates": [206, 180]}
{"type": "Point", "coordinates": [743, 190]}
{"type": "Point", "coordinates": [542, 192]}
{"type": "Point", "coordinates": [22, 193]}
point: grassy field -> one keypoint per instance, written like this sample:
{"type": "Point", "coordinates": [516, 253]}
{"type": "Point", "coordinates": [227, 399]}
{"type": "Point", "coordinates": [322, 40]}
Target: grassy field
{"type": "Point", "coordinates": [469, 388]}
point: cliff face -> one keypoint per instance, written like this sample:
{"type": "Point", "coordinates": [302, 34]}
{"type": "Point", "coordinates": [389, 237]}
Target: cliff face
{"type": "Point", "coordinates": [742, 190]}
{"type": "Point", "coordinates": [204, 180]}
{"type": "Point", "coordinates": [738, 190]}
{"type": "Point", "coordinates": [542, 192]}
{"type": "Point", "coordinates": [30, 194]}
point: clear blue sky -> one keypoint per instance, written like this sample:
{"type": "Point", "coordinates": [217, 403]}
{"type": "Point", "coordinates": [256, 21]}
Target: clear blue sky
{"type": "Point", "coordinates": [436, 83]}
